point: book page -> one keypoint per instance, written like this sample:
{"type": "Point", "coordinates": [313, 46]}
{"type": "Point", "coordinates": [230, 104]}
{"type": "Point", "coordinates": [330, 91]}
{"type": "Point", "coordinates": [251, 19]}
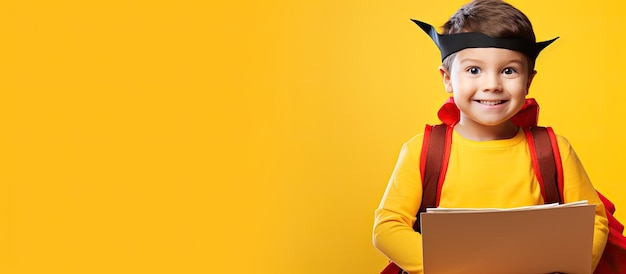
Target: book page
{"type": "Point", "coordinates": [532, 207]}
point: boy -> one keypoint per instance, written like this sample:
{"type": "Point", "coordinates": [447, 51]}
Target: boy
{"type": "Point", "coordinates": [490, 164]}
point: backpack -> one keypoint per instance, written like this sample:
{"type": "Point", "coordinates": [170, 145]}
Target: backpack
{"type": "Point", "coordinates": [546, 163]}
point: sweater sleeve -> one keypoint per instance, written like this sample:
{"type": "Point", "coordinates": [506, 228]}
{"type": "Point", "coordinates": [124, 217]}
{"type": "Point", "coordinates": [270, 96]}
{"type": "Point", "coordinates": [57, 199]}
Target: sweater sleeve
{"type": "Point", "coordinates": [577, 186]}
{"type": "Point", "coordinates": [393, 233]}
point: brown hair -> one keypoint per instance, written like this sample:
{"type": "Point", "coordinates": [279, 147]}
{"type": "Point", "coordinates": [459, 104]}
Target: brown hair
{"type": "Point", "coordinates": [491, 17]}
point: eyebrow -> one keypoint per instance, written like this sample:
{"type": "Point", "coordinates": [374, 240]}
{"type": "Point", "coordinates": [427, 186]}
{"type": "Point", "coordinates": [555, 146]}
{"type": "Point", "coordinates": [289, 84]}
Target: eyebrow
{"type": "Point", "coordinates": [473, 60]}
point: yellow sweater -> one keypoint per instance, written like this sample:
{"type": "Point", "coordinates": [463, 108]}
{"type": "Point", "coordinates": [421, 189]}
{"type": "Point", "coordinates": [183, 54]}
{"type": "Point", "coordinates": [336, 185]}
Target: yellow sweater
{"type": "Point", "coordinates": [488, 174]}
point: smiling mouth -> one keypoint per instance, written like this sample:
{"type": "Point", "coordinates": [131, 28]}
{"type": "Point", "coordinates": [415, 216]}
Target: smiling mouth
{"type": "Point", "coordinates": [491, 103]}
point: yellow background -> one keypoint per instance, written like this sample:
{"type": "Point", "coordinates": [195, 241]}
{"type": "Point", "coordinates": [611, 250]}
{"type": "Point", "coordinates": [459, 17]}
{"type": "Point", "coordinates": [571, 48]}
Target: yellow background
{"type": "Point", "coordinates": [248, 136]}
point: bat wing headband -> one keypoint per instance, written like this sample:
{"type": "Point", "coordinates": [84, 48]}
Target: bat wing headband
{"type": "Point", "coordinates": [451, 43]}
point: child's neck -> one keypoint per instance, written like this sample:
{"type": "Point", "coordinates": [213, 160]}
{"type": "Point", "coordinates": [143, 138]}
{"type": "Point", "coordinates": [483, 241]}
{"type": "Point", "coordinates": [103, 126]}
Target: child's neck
{"type": "Point", "coordinates": [479, 132]}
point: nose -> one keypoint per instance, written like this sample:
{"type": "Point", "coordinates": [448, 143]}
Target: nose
{"type": "Point", "coordinates": [491, 82]}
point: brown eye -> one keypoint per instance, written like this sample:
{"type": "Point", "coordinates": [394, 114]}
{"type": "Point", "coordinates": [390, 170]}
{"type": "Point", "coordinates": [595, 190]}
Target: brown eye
{"type": "Point", "coordinates": [473, 70]}
{"type": "Point", "coordinates": [509, 71]}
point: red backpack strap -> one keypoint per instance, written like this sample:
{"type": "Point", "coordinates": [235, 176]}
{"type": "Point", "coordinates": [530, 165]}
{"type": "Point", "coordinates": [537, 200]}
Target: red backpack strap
{"type": "Point", "coordinates": [546, 161]}
{"type": "Point", "coordinates": [434, 160]}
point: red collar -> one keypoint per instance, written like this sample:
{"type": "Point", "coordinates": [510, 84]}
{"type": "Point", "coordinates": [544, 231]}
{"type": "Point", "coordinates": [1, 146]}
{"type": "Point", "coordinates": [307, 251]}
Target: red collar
{"type": "Point", "coordinates": [527, 117]}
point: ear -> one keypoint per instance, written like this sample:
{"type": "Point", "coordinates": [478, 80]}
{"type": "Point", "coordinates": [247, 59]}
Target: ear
{"type": "Point", "coordinates": [530, 80]}
{"type": "Point", "coordinates": [445, 76]}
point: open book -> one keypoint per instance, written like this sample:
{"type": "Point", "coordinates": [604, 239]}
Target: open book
{"type": "Point", "coordinates": [534, 239]}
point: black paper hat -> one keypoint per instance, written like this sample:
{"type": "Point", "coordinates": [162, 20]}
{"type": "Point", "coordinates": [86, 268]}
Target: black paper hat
{"type": "Point", "coordinates": [451, 43]}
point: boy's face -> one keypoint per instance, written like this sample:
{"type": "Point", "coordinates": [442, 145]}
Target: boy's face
{"type": "Point", "coordinates": [489, 85]}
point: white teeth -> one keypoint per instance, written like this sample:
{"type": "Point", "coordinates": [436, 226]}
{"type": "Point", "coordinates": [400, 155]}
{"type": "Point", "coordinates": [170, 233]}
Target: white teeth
{"type": "Point", "coordinates": [490, 103]}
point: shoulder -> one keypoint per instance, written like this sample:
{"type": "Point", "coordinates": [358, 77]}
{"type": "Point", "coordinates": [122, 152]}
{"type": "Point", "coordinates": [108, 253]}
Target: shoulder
{"type": "Point", "coordinates": [415, 142]}
{"type": "Point", "coordinates": [412, 148]}
{"type": "Point", "coordinates": [565, 147]}
{"type": "Point", "coordinates": [562, 141]}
